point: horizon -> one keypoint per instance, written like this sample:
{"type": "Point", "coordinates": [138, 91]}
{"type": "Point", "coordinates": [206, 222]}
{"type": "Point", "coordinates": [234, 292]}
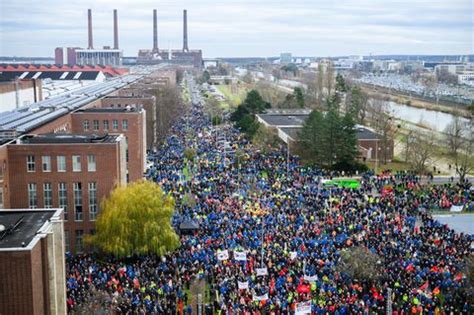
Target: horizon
{"type": "Point", "coordinates": [231, 30]}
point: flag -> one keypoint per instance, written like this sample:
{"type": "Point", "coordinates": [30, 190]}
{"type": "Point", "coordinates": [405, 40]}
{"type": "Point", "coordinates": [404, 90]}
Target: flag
{"type": "Point", "coordinates": [263, 297]}
{"type": "Point", "coordinates": [424, 286]}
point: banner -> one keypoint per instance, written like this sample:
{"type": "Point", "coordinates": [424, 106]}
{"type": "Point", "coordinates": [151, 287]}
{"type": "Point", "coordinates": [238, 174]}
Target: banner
{"type": "Point", "coordinates": [223, 255]}
{"type": "Point", "coordinates": [261, 297]}
{"type": "Point", "coordinates": [293, 255]}
{"type": "Point", "coordinates": [243, 285]}
{"type": "Point", "coordinates": [311, 278]}
{"type": "Point", "coordinates": [303, 308]}
{"type": "Point", "coordinates": [456, 208]}
{"type": "Point", "coordinates": [241, 256]}
{"type": "Point", "coordinates": [261, 271]}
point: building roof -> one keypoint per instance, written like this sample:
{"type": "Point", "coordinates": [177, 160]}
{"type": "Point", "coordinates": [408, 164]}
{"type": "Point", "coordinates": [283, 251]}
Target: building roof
{"type": "Point", "coordinates": [125, 109]}
{"type": "Point", "coordinates": [49, 68]}
{"type": "Point", "coordinates": [25, 119]}
{"type": "Point", "coordinates": [283, 120]}
{"type": "Point", "coordinates": [21, 226]}
{"type": "Point", "coordinates": [55, 138]}
{"type": "Point", "coordinates": [363, 133]}
{"type": "Point", "coordinates": [53, 75]}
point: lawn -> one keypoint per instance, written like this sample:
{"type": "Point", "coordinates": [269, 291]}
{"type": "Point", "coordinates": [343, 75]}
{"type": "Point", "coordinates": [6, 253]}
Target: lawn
{"type": "Point", "coordinates": [235, 97]}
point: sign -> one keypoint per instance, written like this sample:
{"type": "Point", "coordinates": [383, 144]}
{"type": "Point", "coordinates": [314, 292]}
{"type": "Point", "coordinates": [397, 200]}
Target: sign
{"type": "Point", "coordinates": [293, 255]}
{"type": "Point", "coordinates": [456, 208]}
{"type": "Point", "coordinates": [303, 308]}
{"type": "Point", "coordinates": [261, 297]}
{"type": "Point", "coordinates": [311, 278]}
{"type": "Point", "coordinates": [223, 255]}
{"type": "Point", "coordinates": [243, 285]}
{"type": "Point", "coordinates": [240, 256]}
{"type": "Point", "coordinates": [261, 271]}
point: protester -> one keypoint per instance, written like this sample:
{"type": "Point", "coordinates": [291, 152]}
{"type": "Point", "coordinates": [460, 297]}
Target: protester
{"type": "Point", "coordinates": [287, 232]}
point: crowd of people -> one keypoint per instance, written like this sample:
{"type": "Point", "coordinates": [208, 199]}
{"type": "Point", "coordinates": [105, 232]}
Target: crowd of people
{"type": "Point", "coordinates": [269, 238]}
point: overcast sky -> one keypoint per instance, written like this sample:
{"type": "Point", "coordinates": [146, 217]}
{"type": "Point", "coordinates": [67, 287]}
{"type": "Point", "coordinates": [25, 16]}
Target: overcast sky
{"type": "Point", "coordinates": [243, 27]}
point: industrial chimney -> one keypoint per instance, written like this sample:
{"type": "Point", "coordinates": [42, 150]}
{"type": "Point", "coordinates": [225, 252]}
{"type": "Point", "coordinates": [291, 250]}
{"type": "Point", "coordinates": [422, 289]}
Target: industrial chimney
{"type": "Point", "coordinates": [185, 31]}
{"type": "Point", "coordinates": [116, 41]}
{"type": "Point", "coordinates": [155, 32]}
{"type": "Point", "coordinates": [89, 16]}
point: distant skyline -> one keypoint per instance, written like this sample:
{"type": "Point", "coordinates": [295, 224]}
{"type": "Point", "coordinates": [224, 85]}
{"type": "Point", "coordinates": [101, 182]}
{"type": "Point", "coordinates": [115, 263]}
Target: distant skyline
{"type": "Point", "coordinates": [242, 28]}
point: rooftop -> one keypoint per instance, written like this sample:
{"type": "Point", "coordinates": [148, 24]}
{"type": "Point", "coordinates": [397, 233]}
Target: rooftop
{"type": "Point", "coordinates": [20, 226]}
{"type": "Point", "coordinates": [363, 133]}
{"type": "Point", "coordinates": [283, 120]}
{"type": "Point", "coordinates": [53, 75]}
{"type": "Point", "coordinates": [67, 138]}
{"type": "Point", "coordinates": [125, 109]}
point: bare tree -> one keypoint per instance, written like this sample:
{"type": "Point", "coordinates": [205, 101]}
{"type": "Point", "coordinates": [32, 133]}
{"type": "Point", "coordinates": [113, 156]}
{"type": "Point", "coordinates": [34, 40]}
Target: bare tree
{"type": "Point", "coordinates": [422, 152]}
{"type": "Point", "coordinates": [329, 79]}
{"type": "Point", "coordinates": [459, 137]}
{"type": "Point", "coordinates": [384, 124]}
{"type": "Point", "coordinates": [360, 263]}
{"type": "Point", "coordinates": [454, 135]}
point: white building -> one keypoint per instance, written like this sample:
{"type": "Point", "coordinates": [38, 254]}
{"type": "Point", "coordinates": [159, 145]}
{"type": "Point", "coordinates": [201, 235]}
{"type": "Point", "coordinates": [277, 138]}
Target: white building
{"type": "Point", "coordinates": [105, 57]}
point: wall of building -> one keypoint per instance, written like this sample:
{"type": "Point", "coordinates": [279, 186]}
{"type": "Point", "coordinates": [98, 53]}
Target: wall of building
{"type": "Point", "coordinates": [134, 135]}
{"type": "Point", "coordinates": [27, 91]}
{"type": "Point", "coordinates": [148, 104]}
{"type": "Point", "coordinates": [108, 174]}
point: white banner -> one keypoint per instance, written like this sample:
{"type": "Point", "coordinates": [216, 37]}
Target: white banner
{"type": "Point", "coordinates": [241, 256]}
{"type": "Point", "coordinates": [243, 285]}
{"type": "Point", "coordinates": [223, 255]}
{"type": "Point", "coordinates": [456, 208]}
{"type": "Point", "coordinates": [293, 255]}
{"type": "Point", "coordinates": [311, 278]}
{"type": "Point", "coordinates": [261, 297]}
{"type": "Point", "coordinates": [261, 271]}
{"type": "Point", "coordinates": [303, 308]}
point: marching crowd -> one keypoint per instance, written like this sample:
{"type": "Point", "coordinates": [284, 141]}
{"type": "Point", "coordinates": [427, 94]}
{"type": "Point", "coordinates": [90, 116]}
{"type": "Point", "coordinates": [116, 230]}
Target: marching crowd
{"type": "Point", "coordinates": [270, 237]}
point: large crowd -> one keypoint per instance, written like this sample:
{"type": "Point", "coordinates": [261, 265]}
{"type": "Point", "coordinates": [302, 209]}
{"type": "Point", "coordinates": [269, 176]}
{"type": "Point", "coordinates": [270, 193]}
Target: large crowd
{"type": "Point", "coordinates": [271, 237]}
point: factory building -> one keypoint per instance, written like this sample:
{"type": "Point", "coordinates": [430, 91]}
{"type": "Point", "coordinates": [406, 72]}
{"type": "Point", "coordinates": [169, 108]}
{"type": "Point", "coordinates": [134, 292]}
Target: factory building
{"type": "Point", "coordinates": [183, 57]}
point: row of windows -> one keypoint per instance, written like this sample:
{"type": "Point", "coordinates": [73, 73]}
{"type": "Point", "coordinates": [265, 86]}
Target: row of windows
{"type": "Point", "coordinates": [63, 199]}
{"type": "Point", "coordinates": [60, 163]}
{"type": "Point", "coordinates": [79, 236]}
{"type": "Point", "coordinates": [95, 125]}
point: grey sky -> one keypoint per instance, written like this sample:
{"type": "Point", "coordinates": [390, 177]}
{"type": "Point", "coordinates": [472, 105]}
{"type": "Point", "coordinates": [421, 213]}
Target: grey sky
{"type": "Point", "coordinates": [243, 27]}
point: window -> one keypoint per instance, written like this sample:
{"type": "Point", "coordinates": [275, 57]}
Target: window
{"type": "Point", "coordinates": [85, 125]}
{"type": "Point", "coordinates": [46, 162]}
{"type": "Point", "coordinates": [92, 201]}
{"type": "Point", "coordinates": [2, 170]}
{"type": "Point", "coordinates": [115, 124]}
{"type": "Point", "coordinates": [62, 198]}
{"type": "Point", "coordinates": [91, 166]}
{"type": "Point", "coordinates": [125, 125]}
{"type": "Point", "coordinates": [1, 197]}
{"type": "Point", "coordinates": [61, 163]}
{"type": "Point", "coordinates": [47, 195]}
{"type": "Point", "coordinates": [96, 125]}
{"type": "Point", "coordinates": [77, 187]}
{"type": "Point", "coordinates": [67, 247]}
{"type": "Point", "coordinates": [30, 163]}
{"type": "Point", "coordinates": [126, 149]}
{"type": "Point", "coordinates": [32, 196]}
{"type": "Point", "coordinates": [76, 163]}
{"type": "Point", "coordinates": [106, 125]}
{"type": "Point", "coordinates": [79, 245]}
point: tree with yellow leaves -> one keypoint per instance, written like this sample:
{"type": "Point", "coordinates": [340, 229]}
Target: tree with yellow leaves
{"type": "Point", "coordinates": [136, 219]}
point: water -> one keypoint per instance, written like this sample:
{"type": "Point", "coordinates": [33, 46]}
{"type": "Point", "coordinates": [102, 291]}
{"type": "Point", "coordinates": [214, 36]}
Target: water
{"type": "Point", "coordinates": [460, 223]}
{"type": "Point", "coordinates": [432, 119]}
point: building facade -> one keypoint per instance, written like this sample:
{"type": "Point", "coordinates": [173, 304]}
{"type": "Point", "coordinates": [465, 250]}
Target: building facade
{"type": "Point", "coordinates": [73, 172]}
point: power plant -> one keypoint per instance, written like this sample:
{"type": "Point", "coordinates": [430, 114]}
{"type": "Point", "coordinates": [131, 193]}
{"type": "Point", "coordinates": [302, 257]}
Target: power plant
{"type": "Point", "coordinates": [114, 56]}
{"type": "Point", "coordinates": [90, 56]}
{"type": "Point", "coordinates": [183, 56]}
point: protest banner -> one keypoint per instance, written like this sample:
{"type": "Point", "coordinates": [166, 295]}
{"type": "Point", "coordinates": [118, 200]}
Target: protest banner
{"type": "Point", "coordinates": [303, 308]}
{"type": "Point", "coordinates": [240, 256]}
{"type": "Point", "coordinates": [243, 285]}
{"type": "Point", "coordinates": [261, 297]}
{"type": "Point", "coordinates": [223, 255]}
{"type": "Point", "coordinates": [261, 271]}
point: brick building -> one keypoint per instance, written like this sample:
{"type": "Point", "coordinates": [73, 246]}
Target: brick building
{"type": "Point", "coordinates": [32, 269]}
{"type": "Point", "coordinates": [129, 121]}
{"type": "Point", "coordinates": [67, 171]}
{"type": "Point", "coordinates": [149, 105]}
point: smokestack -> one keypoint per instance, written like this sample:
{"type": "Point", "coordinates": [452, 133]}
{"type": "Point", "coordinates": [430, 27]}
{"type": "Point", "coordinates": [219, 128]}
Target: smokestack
{"type": "Point", "coordinates": [155, 32]}
{"type": "Point", "coordinates": [89, 16]}
{"type": "Point", "coordinates": [116, 44]}
{"type": "Point", "coordinates": [185, 31]}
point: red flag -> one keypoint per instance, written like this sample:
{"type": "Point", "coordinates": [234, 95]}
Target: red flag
{"type": "Point", "coordinates": [458, 277]}
{"type": "Point", "coordinates": [424, 286]}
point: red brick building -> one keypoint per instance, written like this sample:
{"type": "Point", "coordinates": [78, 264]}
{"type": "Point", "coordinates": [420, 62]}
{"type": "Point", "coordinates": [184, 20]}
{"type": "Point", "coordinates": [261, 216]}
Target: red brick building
{"type": "Point", "coordinates": [129, 121]}
{"type": "Point", "coordinates": [32, 269]}
{"type": "Point", "coordinates": [67, 171]}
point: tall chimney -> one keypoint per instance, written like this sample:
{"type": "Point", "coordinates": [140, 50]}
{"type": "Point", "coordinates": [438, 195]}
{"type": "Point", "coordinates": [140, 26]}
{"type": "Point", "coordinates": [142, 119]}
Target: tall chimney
{"type": "Point", "coordinates": [89, 16]}
{"type": "Point", "coordinates": [155, 32]}
{"type": "Point", "coordinates": [185, 31]}
{"type": "Point", "coordinates": [116, 42]}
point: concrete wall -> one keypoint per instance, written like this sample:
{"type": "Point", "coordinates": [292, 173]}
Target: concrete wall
{"type": "Point", "coordinates": [26, 94]}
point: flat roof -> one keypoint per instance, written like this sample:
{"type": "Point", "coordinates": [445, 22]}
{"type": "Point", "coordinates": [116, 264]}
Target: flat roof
{"type": "Point", "coordinates": [283, 120]}
{"type": "Point", "coordinates": [67, 138]}
{"type": "Point", "coordinates": [125, 109]}
{"type": "Point", "coordinates": [20, 226]}
{"type": "Point", "coordinates": [363, 133]}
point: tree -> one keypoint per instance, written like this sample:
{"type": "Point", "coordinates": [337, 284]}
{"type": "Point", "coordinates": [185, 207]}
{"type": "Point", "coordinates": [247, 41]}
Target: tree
{"type": "Point", "coordinates": [384, 124]}
{"type": "Point", "coordinates": [248, 78]}
{"type": "Point", "coordinates": [360, 263]}
{"type": "Point", "coordinates": [136, 219]}
{"type": "Point", "coordinates": [169, 104]}
{"type": "Point", "coordinates": [294, 100]}
{"type": "Point", "coordinates": [357, 104]}
{"type": "Point", "coordinates": [422, 152]}
{"type": "Point", "coordinates": [265, 139]}
{"type": "Point", "coordinates": [341, 85]}
{"type": "Point", "coordinates": [189, 153]}
{"type": "Point", "coordinates": [310, 135]}
{"type": "Point", "coordinates": [244, 115]}
{"type": "Point", "coordinates": [459, 138]}
{"type": "Point", "coordinates": [444, 76]}
{"type": "Point", "coordinates": [206, 77]}
{"type": "Point", "coordinates": [299, 96]}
